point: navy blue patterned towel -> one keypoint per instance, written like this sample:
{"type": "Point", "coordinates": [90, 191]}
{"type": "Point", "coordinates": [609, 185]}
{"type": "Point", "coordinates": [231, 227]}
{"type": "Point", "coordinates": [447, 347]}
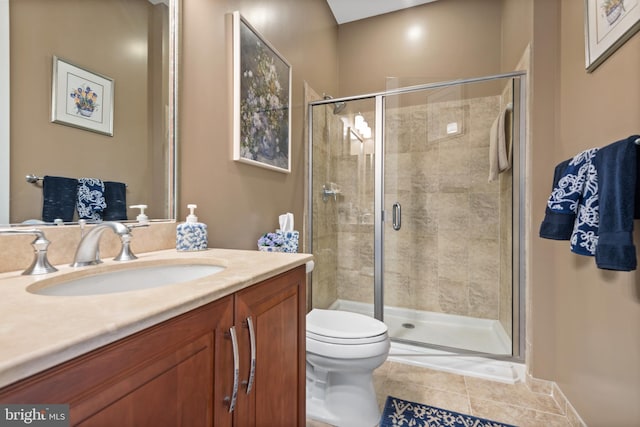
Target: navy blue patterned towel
{"type": "Point", "coordinates": [398, 412]}
{"type": "Point", "coordinates": [59, 198]}
{"type": "Point", "coordinates": [616, 166]}
{"type": "Point", "coordinates": [115, 195]}
{"type": "Point", "coordinates": [90, 202]}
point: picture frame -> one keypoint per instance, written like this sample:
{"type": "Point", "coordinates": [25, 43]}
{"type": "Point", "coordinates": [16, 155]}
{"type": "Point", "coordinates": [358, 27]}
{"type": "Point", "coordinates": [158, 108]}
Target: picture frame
{"type": "Point", "coordinates": [608, 25]}
{"type": "Point", "coordinates": [262, 100]}
{"type": "Point", "coordinates": [81, 98]}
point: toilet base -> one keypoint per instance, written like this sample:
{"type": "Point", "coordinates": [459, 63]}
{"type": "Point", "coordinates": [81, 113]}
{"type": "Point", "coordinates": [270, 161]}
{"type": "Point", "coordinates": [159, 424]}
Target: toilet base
{"type": "Point", "coordinates": [349, 400]}
{"type": "Point", "coordinates": [342, 351]}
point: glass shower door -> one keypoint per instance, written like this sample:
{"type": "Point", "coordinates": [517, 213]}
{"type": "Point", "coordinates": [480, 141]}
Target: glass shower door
{"type": "Point", "coordinates": [446, 235]}
{"type": "Point", "coordinates": [342, 199]}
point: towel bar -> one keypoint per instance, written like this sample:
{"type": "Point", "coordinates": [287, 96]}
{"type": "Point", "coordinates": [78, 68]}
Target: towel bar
{"type": "Point", "coordinates": [32, 179]}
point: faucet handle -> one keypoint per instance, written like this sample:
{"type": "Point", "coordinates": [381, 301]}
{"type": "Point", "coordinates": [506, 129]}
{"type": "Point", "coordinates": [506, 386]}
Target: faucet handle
{"type": "Point", "coordinates": [125, 251]}
{"type": "Point", "coordinates": [136, 225]}
{"type": "Point", "coordinates": [40, 264]}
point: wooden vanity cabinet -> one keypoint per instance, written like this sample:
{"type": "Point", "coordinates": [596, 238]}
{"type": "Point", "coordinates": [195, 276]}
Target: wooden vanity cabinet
{"type": "Point", "coordinates": [276, 309]}
{"type": "Point", "coordinates": [181, 372]}
{"type": "Point", "coordinates": [161, 376]}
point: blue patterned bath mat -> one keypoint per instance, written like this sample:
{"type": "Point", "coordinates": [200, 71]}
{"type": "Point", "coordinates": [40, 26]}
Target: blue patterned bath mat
{"type": "Point", "coordinates": [402, 413]}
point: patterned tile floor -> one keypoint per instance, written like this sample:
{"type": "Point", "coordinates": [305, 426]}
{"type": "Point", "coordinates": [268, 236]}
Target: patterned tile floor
{"type": "Point", "coordinates": [508, 403]}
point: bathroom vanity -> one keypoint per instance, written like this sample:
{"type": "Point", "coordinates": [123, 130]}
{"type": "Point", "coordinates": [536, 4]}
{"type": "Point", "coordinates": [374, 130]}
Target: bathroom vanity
{"type": "Point", "coordinates": [222, 350]}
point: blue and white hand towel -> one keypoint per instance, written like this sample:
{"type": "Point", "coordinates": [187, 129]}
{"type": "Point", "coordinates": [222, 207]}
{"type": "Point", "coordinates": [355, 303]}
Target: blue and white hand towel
{"type": "Point", "coordinates": [557, 226]}
{"type": "Point", "coordinates": [575, 196]}
{"type": "Point", "coordinates": [91, 201]}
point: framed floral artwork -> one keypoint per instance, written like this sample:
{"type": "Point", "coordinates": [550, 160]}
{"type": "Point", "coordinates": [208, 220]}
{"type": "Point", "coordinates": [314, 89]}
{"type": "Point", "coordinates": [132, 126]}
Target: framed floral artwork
{"type": "Point", "coordinates": [262, 100]}
{"type": "Point", "coordinates": [81, 98]}
{"type": "Point", "coordinates": [608, 25]}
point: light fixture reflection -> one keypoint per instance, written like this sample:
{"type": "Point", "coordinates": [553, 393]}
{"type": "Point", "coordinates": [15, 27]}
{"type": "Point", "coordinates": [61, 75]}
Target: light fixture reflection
{"type": "Point", "coordinates": [138, 49]}
{"type": "Point", "coordinates": [361, 135]}
{"type": "Point", "coordinates": [414, 32]}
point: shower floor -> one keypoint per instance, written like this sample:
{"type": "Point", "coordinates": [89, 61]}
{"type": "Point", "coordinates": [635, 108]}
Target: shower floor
{"type": "Point", "coordinates": [459, 332]}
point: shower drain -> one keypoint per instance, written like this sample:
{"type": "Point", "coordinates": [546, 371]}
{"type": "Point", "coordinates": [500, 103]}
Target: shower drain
{"type": "Point", "coordinates": [408, 325]}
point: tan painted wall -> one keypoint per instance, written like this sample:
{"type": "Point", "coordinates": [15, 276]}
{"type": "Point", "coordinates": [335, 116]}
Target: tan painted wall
{"type": "Point", "coordinates": [240, 202]}
{"type": "Point", "coordinates": [43, 28]}
{"type": "Point", "coordinates": [594, 339]}
{"type": "Point", "coordinates": [516, 23]}
{"type": "Point", "coordinates": [459, 39]}
{"type": "Point", "coordinates": [583, 324]}
{"type": "Point", "coordinates": [543, 114]}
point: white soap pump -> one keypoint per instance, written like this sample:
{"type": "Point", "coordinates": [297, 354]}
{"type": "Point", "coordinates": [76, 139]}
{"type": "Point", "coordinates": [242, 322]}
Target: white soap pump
{"type": "Point", "coordinates": [141, 218]}
{"type": "Point", "coordinates": [192, 216]}
{"type": "Point", "coordinates": [191, 235]}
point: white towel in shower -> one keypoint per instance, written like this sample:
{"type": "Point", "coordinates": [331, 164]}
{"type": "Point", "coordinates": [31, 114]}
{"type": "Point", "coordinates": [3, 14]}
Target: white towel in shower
{"type": "Point", "coordinates": [499, 145]}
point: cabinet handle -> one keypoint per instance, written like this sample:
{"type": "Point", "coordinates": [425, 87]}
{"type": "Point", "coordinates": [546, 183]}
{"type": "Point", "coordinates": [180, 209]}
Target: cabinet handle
{"type": "Point", "coordinates": [236, 368]}
{"type": "Point", "coordinates": [252, 339]}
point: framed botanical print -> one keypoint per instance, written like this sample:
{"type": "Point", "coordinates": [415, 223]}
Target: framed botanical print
{"type": "Point", "coordinates": [262, 100]}
{"type": "Point", "coordinates": [81, 98]}
{"type": "Point", "coordinates": [608, 25]}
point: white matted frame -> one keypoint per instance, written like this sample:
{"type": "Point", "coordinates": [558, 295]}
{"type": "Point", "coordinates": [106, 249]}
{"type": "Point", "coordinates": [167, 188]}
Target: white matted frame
{"type": "Point", "coordinates": [608, 25]}
{"type": "Point", "coordinates": [261, 100]}
{"type": "Point", "coordinates": [81, 98]}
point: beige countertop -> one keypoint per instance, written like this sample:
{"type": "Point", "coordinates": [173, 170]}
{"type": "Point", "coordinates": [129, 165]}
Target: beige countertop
{"type": "Point", "coordinates": [39, 331]}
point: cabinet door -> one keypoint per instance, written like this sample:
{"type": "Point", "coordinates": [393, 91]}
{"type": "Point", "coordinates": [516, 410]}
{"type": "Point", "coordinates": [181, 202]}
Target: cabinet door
{"type": "Point", "coordinates": [276, 310]}
{"type": "Point", "coordinates": [174, 390]}
{"type": "Point", "coordinates": [162, 376]}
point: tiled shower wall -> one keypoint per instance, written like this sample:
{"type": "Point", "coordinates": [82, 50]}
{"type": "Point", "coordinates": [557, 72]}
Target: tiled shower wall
{"type": "Point", "coordinates": [453, 252]}
{"type": "Point", "coordinates": [327, 137]}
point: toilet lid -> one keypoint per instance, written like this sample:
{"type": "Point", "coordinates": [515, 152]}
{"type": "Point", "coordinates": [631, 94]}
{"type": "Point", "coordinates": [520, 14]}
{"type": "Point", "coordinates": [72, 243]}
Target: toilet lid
{"type": "Point", "coordinates": [343, 324]}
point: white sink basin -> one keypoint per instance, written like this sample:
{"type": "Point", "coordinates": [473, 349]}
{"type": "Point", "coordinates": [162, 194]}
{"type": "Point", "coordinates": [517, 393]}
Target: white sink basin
{"type": "Point", "coordinates": [130, 279]}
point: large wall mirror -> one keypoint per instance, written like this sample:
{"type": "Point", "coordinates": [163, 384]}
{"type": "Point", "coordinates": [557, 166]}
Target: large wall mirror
{"type": "Point", "coordinates": [130, 42]}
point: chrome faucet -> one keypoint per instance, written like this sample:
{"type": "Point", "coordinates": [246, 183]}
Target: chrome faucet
{"type": "Point", "coordinates": [40, 264]}
{"type": "Point", "coordinates": [87, 252]}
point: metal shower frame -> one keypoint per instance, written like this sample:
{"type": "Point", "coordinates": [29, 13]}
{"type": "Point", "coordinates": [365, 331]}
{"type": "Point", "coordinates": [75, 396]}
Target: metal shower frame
{"type": "Point", "coordinates": [519, 190]}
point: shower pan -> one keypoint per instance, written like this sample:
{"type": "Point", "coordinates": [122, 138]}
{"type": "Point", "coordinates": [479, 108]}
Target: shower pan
{"type": "Point", "coordinates": [409, 219]}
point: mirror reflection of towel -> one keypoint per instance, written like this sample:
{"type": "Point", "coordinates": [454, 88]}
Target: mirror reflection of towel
{"type": "Point", "coordinates": [59, 198]}
{"type": "Point", "coordinates": [115, 195]}
{"type": "Point", "coordinates": [90, 202]}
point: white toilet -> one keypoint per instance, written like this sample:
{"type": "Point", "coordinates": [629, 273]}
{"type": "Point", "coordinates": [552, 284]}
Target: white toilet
{"type": "Point", "coordinates": [343, 349]}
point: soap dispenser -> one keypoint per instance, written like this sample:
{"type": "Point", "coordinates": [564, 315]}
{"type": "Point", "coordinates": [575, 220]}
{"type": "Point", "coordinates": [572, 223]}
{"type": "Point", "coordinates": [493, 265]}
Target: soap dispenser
{"type": "Point", "coordinates": [142, 218]}
{"type": "Point", "coordinates": [191, 235]}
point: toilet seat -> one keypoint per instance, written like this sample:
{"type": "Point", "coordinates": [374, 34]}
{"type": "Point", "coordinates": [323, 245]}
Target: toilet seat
{"type": "Point", "coordinates": [342, 327]}
{"type": "Point", "coordinates": [346, 341]}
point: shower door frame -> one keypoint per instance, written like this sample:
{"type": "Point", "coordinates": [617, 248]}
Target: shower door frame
{"type": "Point", "coordinates": [518, 204]}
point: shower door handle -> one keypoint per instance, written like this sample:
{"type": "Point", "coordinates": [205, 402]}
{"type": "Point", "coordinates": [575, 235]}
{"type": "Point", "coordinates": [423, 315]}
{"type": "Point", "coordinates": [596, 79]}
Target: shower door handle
{"type": "Point", "coordinates": [396, 216]}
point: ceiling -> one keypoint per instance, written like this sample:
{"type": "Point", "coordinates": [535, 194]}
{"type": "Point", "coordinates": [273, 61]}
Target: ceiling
{"type": "Point", "coordinates": [352, 10]}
